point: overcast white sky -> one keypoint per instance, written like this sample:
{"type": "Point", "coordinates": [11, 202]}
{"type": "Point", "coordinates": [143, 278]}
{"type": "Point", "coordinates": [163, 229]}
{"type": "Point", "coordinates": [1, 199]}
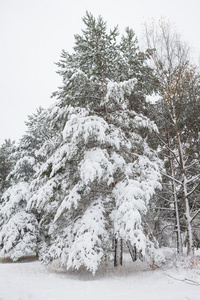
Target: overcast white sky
{"type": "Point", "coordinates": [33, 33]}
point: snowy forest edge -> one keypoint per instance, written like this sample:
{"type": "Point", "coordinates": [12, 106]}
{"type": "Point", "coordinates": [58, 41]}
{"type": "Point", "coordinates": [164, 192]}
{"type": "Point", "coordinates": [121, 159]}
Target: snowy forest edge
{"type": "Point", "coordinates": [104, 170]}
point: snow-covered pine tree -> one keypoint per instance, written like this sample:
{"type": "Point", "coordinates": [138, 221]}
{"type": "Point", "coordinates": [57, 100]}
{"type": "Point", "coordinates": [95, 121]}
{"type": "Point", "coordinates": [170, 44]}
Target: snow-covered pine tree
{"type": "Point", "coordinates": [19, 230]}
{"type": "Point", "coordinates": [96, 185]}
{"type": "Point", "coordinates": [19, 234]}
{"type": "Point", "coordinates": [6, 163]}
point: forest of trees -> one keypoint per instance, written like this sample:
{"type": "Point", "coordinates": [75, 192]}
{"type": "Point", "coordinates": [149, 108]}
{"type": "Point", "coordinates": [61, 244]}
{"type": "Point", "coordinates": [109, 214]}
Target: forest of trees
{"type": "Point", "coordinates": [105, 170]}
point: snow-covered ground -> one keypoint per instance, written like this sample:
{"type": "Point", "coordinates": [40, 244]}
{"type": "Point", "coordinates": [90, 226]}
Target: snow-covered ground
{"type": "Point", "coordinates": [31, 280]}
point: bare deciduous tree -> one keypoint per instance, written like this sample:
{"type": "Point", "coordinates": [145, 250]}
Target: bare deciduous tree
{"type": "Point", "coordinates": [170, 58]}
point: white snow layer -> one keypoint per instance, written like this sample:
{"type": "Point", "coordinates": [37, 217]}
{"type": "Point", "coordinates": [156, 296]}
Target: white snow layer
{"type": "Point", "coordinates": [32, 281]}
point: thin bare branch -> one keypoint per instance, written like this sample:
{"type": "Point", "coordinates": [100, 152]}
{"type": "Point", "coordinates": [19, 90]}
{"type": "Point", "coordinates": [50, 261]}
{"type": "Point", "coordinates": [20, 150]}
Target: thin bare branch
{"type": "Point", "coordinates": [193, 190]}
{"type": "Point", "coordinates": [171, 151]}
{"type": "Point", "coordinates": [195, 215]}
{"type": "Point", "coordinates": [172, 178]}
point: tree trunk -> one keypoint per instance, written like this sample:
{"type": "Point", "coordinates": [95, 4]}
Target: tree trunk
{"type": "Point", "coordinates": [178, 229]}
{"type": "Point", "coordinates": [184, 189]}
{"type": "Point", "coordinates": [132, 250]}
{"type": "Point", "coordinates": [118, 252]}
